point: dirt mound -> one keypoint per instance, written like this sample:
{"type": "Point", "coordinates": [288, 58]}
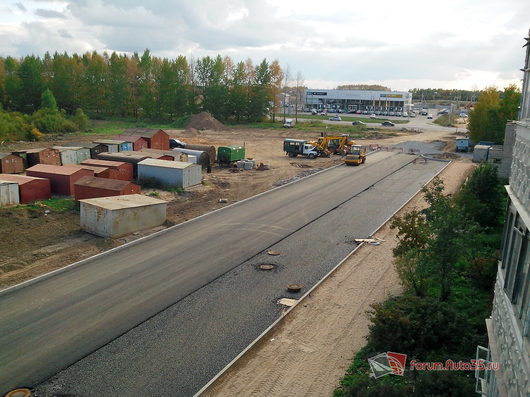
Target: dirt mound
{"type": "Point", "coordinates": [205, 121]}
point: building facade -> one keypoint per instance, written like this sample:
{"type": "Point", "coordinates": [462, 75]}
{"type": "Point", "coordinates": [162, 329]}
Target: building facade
{"type": "Point", "coordinates": [509, 324]}
{"type": "Point", "coordinates": [350, 101]}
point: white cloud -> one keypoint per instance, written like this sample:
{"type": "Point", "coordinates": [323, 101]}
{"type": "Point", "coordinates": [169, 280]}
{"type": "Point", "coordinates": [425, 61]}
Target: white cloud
{"type": "Point", "coordinates": [457, 43]}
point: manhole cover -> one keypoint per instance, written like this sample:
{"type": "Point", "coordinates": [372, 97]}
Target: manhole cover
{"type": "Point", "coordinates": [294, 287]}
{"type": "Point", "coordinates": [19, 393]}
{"type": "Point", "coordinates": [273, 253]}
{"type": "Point", "coordinates": [267, 266]}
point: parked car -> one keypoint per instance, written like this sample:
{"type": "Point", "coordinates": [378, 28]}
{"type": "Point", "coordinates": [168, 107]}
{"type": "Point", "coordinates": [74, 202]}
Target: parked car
{"type": "Point", "coordinates": [289, 123]}
{"type": "Point", "coordinates": [358, 112]}
{"type": "Point", "coordinates": [357, 122]}
{"type": "Point", "coordinates": [391, 113]}
{"type": "Point", "coordinates": [373, 116]}
{"type": "Point", "coordinates": [429, 116]}
{"type": "Point", "coordinates": [387, 124]}
{"type": "Point", "coordinates": [175, 143]}
{"type": "Point", "coordinates": [335, 118]}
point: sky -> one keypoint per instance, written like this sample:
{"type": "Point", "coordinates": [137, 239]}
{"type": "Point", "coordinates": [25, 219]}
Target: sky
{"type": "Point", "coordinates": [463, 44]}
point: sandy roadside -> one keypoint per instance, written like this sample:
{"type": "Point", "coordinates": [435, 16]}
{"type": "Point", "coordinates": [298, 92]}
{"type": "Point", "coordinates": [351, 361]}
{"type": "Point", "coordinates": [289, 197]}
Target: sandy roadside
{"type": "Point", "coordinates": [309, 351]}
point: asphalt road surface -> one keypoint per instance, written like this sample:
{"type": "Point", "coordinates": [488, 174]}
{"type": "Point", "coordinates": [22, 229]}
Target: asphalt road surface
{"type": "Point", "coordinates": [55, 322]}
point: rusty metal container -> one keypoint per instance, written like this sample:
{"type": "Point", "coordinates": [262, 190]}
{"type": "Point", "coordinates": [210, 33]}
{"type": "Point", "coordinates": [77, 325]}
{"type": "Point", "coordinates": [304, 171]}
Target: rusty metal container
{"type": "Point", "coordinates": [126, 157]}
{"type": "Point", "coordinates": [157, 139]}
{"type": "Point", "coordinates": [43, 156]}
{"type": "Point", "coordinates": [211, 150]}
{"type": "Point", "coordinates": [121, 170]}
{"type": "Point", "coordinates": [62, 179]}
{"type": "Point", "coordinates": [11, 163]}
{"type": "Point", "coordinates": [138, 142]}
{"type": "Point", "coordinates": [30, 188]}
{"type": "Point", "coordinates": [121, 215]}
{"type": "Point", "coordinates": [9, 194]}
{"type": "Point", "coordinates": [73, 154]}
{"type": "Point", "coordinates": [94, 148]}
{"type": "Point", "coordinates": [165, 155]}
{"type": "Point", "coordinates": [92, 187]}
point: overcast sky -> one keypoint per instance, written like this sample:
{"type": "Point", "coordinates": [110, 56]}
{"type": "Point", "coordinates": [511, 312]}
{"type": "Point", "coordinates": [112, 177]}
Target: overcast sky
{"type": "Point", "coordinates": [402, 44]}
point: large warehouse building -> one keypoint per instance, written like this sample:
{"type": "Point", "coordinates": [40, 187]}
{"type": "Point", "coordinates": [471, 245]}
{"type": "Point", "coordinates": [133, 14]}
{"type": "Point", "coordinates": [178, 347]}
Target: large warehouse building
{"type": "Point", "coordinates": [350, 101]}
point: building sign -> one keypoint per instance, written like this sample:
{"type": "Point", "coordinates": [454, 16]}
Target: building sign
{"type": "Point", "coordinates": [391, 95]}
{"type": "Point", "coordinates": [316, 93]}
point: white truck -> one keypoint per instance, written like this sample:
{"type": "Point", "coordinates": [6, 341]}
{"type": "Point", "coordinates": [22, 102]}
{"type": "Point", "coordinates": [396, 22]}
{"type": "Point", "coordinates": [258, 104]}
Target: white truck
{"type": "Point", "coordinates": [295, 147]}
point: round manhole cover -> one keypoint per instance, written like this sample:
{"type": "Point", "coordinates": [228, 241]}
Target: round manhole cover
{"type": "Point", "coordinates": [19, 393]}
{"type": "Point", "coordinates": [273, 253]}
{"type": "Point", "coordinates": [294, 287]}
{"type": "Point", "coordinates": [266, 266]}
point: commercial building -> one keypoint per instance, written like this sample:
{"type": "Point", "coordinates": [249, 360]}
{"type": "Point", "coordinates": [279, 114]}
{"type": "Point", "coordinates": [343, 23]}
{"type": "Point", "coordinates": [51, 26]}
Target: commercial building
{"type": "Point", "coordinates": [350, 101]}
{"type": "Point", "coordinates": [509, 324]}
{"type": "Point", "coordinates": [121, 215]}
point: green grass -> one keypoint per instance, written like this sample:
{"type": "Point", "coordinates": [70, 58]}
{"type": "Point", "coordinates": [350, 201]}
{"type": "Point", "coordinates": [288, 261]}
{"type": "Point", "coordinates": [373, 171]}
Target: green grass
{"type": "Point", "coordinates": [446, 120]}
{"type": "Point", "coordinates": [343, 117]}
{"type": "Point", "coordinates": [54, 204]}
{"type": "Point", "coordinates": [115, 127]}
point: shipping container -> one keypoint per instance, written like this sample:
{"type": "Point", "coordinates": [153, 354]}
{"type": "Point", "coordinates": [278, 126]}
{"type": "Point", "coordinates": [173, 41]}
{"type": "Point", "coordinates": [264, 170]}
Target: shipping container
{"type": "Point", "coordinates": [9, 194]}
{"type": "Point", "coordinates": [165, 155]}
{"type": "Point", "coordinates": [230, 154]}
{"type": "Point", "coordinates": [100, 172]}
{"type": "Point", "coordinates": [92, 187]}
{"type": "Point", "coordinates": [11, 163]}
{"type": "Point", "coordinates": [73, 154]}
{"type": "Point", "coordinates": [94, 148]}
{"type": "Point", "coordinates": [30, 188]}
{"type": "Point", "coordinates": [121, 215]}
{"type": "Point", "coordinates": [137, 142]}
{"type": "Point", "coordinates": [156, 139]}
{"type": "Point", "coordinates": [61, 178]}
{"type": "Point", "coordinates": [202, 158]}
{"type": "Point", "coordinates": [108, 144]}
{"type": "Point", "coordinates": [121, 170]}
{"type": "Point", "coordinates": [170, 173]}
{"type": "Point", "coordinates": [43, 156]}
{"type": "Point", "coordinates": [212, 152]}
{"type": "Point", "coordinates": [481, 153]}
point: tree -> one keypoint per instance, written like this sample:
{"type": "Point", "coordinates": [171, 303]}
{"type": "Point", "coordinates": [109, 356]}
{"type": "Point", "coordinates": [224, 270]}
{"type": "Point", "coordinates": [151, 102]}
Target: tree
{"type": "Point", "coordinates": [481, 197]}
{"type": "Point", "coordinates": [488, 119]}
{"type": "Point", "coordinates": [31, 84]}
{"type": "Point", "coordinates": [47, 100]}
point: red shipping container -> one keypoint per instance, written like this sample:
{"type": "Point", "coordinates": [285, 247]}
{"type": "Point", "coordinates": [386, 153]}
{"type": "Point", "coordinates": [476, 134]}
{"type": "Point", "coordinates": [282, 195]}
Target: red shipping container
{"type": "Point", "coordinates": [62, 179]}
{"type": "Point", "coordinates": [157, 139]}
{"type": "Point", "coordinates": [138, 142]}
{"type": "Point", "coordinates": [99, 172]}
{"type": "Point", "coordinates": [43, 156]}
{"type": "Point", "coordinates": [11, 163]}
{"type": "Point", "coordinates": [30, 188]}
{"type": "Point", "coordinates": [92, 187]}
{"type": "Point", "coordinates": [117, 169]}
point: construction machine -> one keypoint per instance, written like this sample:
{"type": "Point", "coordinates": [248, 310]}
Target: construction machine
{"type": "Point", "coordinates": [332, 144]}
{"type": "Point", "coordinates": [356, 155]}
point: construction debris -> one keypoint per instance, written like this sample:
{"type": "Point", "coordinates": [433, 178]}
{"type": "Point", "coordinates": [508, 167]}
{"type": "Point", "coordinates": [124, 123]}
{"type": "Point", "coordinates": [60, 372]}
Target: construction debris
{"type": "Point", "coordinates": [287, 302]}
{"type": "Point", "coordinates": [301, 175]}
{"type": "Point", "coordinates": [272, 252]}
{"type": "Point", "coordinates": [371, 241]}
{"type": "Point", "coordinates": [205, 121]}
{"type": "Point", "coordinates": [263, 167]}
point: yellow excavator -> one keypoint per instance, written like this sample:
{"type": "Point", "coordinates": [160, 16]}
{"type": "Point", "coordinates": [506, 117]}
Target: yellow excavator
{"type": "Point", "coordinates": [356, 155]}
{"type": "Point", "coordinates": [332, 144]}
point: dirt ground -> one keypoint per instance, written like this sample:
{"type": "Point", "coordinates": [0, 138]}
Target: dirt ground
{"type": "Point", "coordinates": [311, 348]}
{"type": "Point", "coordinates": [34, 241]}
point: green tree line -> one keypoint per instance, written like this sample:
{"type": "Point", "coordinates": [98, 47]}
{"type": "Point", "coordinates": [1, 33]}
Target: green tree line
{"type": "Point", "coordinates": [429, 94]}
{"type": "Point", "coordinates": [141, 86]}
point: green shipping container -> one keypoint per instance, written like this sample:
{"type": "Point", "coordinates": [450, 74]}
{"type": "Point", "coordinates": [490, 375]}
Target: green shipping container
{"type": "Point", "coordinates": [229, 154]}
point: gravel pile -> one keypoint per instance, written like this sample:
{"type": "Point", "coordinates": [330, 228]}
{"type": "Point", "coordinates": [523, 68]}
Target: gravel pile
{"type": "Point", "coordinates": [297, 177]}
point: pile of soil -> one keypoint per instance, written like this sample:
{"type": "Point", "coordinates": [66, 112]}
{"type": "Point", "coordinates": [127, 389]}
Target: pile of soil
{"type": "Point", "coordinates": [205, 121]}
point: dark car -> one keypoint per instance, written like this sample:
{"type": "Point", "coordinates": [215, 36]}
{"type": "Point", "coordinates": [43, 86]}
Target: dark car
{"type": "Point", "coordinates": [357, 122]}
{"type": "Point", "coordinates": [174, 143]}
{"type": "Point", "coordinates": [387, 124]}
{"type": "Point", "coordinates": [335, 118]}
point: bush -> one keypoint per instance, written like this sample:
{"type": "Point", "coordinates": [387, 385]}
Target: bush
{"type": "Point", "coordinates": [417, 326]}
{"type": "Point", "coordinates": [47, 120]}
{"type": "Point", "coordinates": [80, 119]}
{"type": "Point", "coordinates": [15, 126]}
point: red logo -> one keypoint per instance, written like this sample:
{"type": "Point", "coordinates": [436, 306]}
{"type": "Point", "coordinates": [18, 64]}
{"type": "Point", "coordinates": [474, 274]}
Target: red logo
{"type": "Point", "coordinates": [397, 362]}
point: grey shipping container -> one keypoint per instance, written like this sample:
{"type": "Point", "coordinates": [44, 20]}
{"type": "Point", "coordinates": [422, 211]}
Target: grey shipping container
{"type": "Point", "coordinates": [9, 193]}
{"type": "Point", "coordinates": [203, 158]}
{"type": "Point", "coordinates": [170, 173]}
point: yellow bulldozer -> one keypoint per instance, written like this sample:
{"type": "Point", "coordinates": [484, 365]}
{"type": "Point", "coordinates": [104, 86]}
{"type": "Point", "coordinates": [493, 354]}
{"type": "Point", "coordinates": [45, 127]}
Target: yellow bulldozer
{"type": "Point", "coordinates": [332, 144]}
{"type": "Point", "coordinates": [356, 155]}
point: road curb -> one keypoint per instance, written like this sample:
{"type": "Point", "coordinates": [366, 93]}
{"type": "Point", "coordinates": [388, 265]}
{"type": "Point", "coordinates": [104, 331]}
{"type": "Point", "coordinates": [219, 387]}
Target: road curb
{"type": "Point", "coordinates": [74, 265]}
{"type": "Point", "coordinates": [312, 289]}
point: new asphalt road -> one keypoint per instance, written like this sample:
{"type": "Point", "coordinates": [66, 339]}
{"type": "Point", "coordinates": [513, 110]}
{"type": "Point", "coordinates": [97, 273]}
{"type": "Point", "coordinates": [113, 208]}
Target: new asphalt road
{"type": "Point", "coordinates": [51, 324]}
